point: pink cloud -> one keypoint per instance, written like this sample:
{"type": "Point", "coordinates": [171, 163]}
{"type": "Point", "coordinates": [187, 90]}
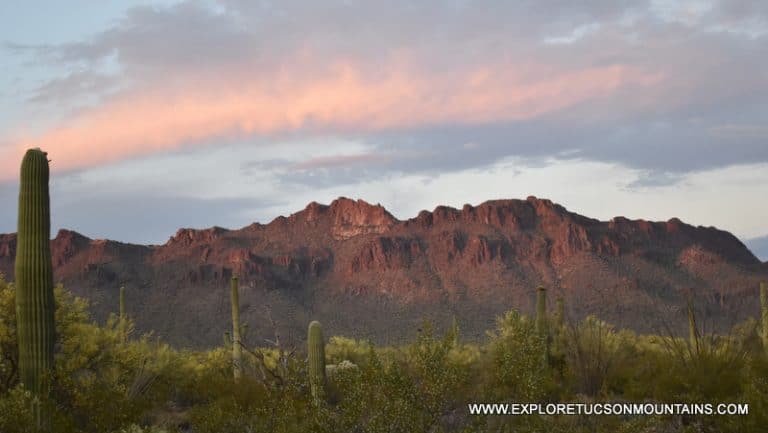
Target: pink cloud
{"type": "Point", "coordinates": [343, 97]}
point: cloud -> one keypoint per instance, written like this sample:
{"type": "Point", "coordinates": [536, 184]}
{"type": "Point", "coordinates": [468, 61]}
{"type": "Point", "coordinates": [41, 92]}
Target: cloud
{"type": "Point", "coordinates": [746, 17]}
{"type": "Point", "coordinates": [336, 161]}
{"type": "Point", "coordinates": [576, 34]}
{"type": "Point", "coordinates": [74, 85]}
{"type": "Point", "coordinates": [660, 88]}
{"type": "Point", "coordinates": [151, 41]}
{"type": "Point", "coordinates": [340, 98]}
{"type": "Point", "coordinates": [655, 179]}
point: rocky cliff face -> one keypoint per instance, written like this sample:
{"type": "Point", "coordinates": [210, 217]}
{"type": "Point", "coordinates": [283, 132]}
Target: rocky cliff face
{"type": "Point", "coordinates": [366, 274]}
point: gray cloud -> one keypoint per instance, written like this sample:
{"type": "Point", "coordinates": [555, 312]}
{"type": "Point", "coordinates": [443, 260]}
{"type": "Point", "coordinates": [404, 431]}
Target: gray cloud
{"type": "Point", "coordinates": [739, 13]}
{"type": "Point", "coordinates": [186, 35]}
{"type": "Point", "coordinates": [192, 38]}
{"type": "Point", "coordinates": [74, 85]}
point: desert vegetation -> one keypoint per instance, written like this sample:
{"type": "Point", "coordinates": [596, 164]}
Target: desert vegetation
{"type": "Point", "coordinates": [101, 382]}
{"type": "Point", "coordinates": [60, 371]}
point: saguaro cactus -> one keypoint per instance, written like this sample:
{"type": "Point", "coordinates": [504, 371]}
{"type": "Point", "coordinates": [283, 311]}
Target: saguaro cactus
{"type": "Point", "coordinates": [123, 318]}
{"type": "Point", "coordinates": [122, 302]}
{"type": "Point", "coordinates": [541, 322]}
{"type": "Point", "coordinates": [455, 332]}
{"type": "Point", "coordinates": [34, 279]}
{"type": "Point", "coordinates": [560, 313]}
{"type": "Point", "coordinates": [558, 330]}
{"type": "Point", "coordinates": [316, 361]}
{"type": "Point", "coordinates": [764, 314]}
{"type": "Point", "coordinates": [693, 332]}
{"type": "Point", "coordinates": [237, 350]}
{"type": "Point", "coordinates": [541, 310]}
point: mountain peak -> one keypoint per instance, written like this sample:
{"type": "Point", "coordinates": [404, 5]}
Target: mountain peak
{"type": "Point", "coordinates": [352, 218]}
{"type": "Point", "coordinates": [189, 236]}
{"type": "Point", "coordinates": [64, 235]}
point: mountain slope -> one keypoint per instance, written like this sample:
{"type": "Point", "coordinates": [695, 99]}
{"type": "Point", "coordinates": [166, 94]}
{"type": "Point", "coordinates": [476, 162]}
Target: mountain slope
{"type": "Point", "coordinates": [366, 274]}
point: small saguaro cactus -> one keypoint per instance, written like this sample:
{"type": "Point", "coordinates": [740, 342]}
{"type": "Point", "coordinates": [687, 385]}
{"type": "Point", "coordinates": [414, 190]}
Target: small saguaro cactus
{"type": "Point", "coordinates": [316, 361]}
{"type": "Point", "coordinates": [693, 332]}
{"type": "Point", "coordinates": [560, 313]}
{"type": "Point", "coordinates": [34, 280]}
{"type": "Point", "coordinates": [764, 314]}
{"type": "Point", "coordinates": [237, 350]}
{"type": "Point", "coordinates": [541, 322]}
{"type": "Point", "coordinates": [122, 302]}
{"type": "Point", "coordinates": [541, 310]}
{"type": "Point", "coordinates": [123, 318]}
{"type": "Point", "coordinates": [455, 332]}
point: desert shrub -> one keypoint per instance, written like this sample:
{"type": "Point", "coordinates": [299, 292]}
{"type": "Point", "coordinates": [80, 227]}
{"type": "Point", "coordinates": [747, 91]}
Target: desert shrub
{"type": "Point", "coordinates": [413, 389]}
{"type": "Point", "coordinates": [271, 396]}
{"type": "Point", "coordinates": [596, 355]}
{"type": "Point", "coordinates": [277, 405]}
{"type": "Point", "coordinates": [754, 393]}
{"type": "Point", "coordinates": [103, 383]}
{"type": "Point", "coordinates": [99, 383]}
{"type": "Point", "coordinates": [340, 349]}
{"type": "Point", "coordinates": [15, 413]}
{"type": "Point", "coordinates": [9, 359]}
{"type": "Point", "coordinates": [517, 362]}
{"type": "Point", "coordinates": [715, 372]}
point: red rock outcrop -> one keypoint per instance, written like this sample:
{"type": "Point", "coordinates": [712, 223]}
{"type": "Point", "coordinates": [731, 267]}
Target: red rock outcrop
{"type": "Point", "coordinates": [353, 218]}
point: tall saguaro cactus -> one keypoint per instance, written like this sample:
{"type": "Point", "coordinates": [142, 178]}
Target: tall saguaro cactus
{"type": "Point", "coordinates": [316, 361]}
{"type": "Point", "coordinates": [764, 314]}
{"type": "Point", "coordinates": [34, 279]}
{"type": "Point", "coordinates": [237, 350]}
{"type": "Point", "coordinates": [123, 318]}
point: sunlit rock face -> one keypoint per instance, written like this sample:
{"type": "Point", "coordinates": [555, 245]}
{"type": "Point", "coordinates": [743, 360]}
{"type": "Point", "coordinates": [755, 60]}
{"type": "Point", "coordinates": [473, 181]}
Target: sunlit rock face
{"type": "Point", "coordinates": [357, 268]}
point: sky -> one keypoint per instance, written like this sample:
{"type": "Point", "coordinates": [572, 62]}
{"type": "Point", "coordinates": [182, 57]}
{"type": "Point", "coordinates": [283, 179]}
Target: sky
{"type": "Point", "coordinates": [167, 114]}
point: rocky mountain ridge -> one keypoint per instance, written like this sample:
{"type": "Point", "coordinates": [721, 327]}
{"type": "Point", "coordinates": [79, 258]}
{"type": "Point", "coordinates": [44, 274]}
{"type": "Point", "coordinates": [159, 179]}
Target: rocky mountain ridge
{"type": "Point", "coordinates": [369, 275]}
